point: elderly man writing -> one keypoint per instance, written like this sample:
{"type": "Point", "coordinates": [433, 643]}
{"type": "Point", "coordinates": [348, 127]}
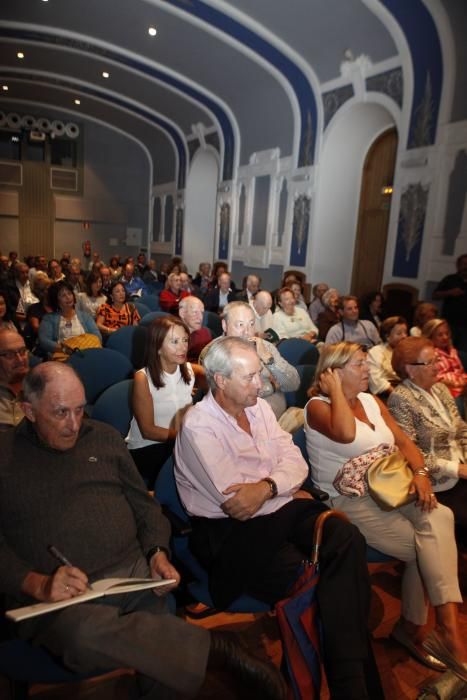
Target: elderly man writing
{"type": "Point", "coordinates": [239, 476]}
{"type": "Point", "coordinates": [14, 365]}
{"type": "Point", "coordinates": [82, 493]}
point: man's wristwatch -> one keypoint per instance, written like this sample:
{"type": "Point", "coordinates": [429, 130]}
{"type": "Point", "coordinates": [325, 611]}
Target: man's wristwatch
{"type": "Point", "coordinates": [272, 485]}
{"type": "Point", "coordinates": [269, 361]}
{"type": "Point", "coordinates": [155, 550]}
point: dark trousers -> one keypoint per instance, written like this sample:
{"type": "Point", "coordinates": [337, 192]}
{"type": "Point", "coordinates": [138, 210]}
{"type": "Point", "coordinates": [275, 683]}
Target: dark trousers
{"type": "Point", "coordinates": [456, 500]}
{"type": "Point", "coordinates": [262, 557]}
{"type": "Point", "coordinates": [150, 460]}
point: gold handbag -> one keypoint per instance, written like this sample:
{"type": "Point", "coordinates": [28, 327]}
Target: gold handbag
{"type": "Point", "coordinates": [77, 342]}
{"type": "Point", "coordinates": [389, 480]}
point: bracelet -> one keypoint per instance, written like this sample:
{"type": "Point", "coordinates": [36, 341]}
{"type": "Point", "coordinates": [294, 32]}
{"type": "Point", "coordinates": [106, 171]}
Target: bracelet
{"type": "Point", "coordinates": [422, 472]}
{"type": "Point", "coordinates": [272, 486]}
{"type": "Point", "coordinates": [156, 550]}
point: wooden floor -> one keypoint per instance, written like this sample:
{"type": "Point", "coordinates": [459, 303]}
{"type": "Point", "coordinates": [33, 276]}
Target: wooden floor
{"type": "Point", "coordinates": [402, 677]}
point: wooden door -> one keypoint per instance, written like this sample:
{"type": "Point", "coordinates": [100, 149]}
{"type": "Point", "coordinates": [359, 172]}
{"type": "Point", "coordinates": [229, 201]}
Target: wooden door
{"type": "Point", "coordinates": [36, 211]}
{"type": "Point", "coordinates": [373, 215]}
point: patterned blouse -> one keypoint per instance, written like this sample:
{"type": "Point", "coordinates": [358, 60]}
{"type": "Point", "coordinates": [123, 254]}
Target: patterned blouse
{"type": "Point", "coordinates": [113, 319]}
{"type": "Point", "coordinates": [451, 371]}
{"type": "Point", "coordinates": [435, 426]}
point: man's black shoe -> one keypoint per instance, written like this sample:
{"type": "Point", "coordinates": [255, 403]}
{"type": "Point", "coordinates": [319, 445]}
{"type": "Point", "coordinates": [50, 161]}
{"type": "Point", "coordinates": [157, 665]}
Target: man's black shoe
{"type": "Point", "coordinates": [227, 653]}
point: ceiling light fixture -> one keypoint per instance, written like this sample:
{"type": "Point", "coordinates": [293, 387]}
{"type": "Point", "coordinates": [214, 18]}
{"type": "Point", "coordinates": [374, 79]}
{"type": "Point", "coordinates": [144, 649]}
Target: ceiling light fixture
{"type": "Point", "coordinates": [77, 102]}
{"type": "Point", "coordinates": [105, 74]}
{"type": "Point", "coordinates": [20, 54]}
{"type": "Point", "coordinates": [152, 31]}
{"type": "Point", "coordinates": [5, 87]}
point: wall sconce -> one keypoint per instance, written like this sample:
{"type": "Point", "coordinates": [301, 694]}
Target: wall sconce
{"type": "Point", "coordinates": [386, 190]}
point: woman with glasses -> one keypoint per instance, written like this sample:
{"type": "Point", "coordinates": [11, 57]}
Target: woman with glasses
{"type": "Point", "coordinates": [426, 411]}
{"type": "Point", "coordinates": [344, 424]}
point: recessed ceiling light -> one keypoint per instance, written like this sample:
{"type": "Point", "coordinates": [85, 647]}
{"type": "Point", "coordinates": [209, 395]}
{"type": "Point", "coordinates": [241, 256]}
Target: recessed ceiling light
{"type": "Point", "coordinates": [45, 0]}
{"type": "Point", "coordinates": [105, 74]}
{"type": "Point", "coordinates": [5, 87]}
{"type": "Point", "coordinates": [77, 102]}
{"type": "Point", "coordinates": [152, 31]}
{"type": "Point", "coordinates": [20, 54]}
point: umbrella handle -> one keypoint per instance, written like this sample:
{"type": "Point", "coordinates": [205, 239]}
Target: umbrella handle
{"type": "Point", "coordinates": [318, 531]}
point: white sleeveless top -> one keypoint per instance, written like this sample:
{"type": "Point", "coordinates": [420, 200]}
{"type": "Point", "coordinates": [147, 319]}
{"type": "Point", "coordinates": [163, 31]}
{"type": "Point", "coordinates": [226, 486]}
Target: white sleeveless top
{"type": "Point", "coordinates": [167, 401]}
{"type": "Point", "coordinates": [327, 456]}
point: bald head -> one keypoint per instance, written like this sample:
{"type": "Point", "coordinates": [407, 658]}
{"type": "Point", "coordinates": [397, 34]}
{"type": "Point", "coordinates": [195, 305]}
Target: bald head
{"type": "Point", "coordinates": [262, 302]}
{"type": "Point", "coordinates": [54, 402]}
{"type": "Point", "coordinates": [191, 310]}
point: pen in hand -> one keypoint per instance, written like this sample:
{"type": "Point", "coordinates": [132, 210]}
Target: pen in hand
{"type": "Point", "coordinates": [62, 558]}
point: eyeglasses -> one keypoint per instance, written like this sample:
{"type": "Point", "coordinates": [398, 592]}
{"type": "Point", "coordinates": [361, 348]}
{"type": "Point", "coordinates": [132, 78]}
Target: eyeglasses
{"type": "Point", "coordinates": [11, 354]}
{"type": "Point", "coordinates": [429, 363]}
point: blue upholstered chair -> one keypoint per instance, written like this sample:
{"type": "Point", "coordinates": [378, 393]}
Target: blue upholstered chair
{"type": "Point", "coordinates": [131, 342]}
{"type": "Point", "coordinates": [151, 316]}
{"type": "Point", "coordinates": [167, 495]}
{"type": "Point", "coordinates": [298, 351]}
{"type": "Point", "coordinates": [151, 301]}
{"type": "Point", "coordinates": [114, 406]}
{"type": "Point", "coordinates": [142, 308]}
{"type": "Point", "coordinates": [100, 368]}
{"type": "Point", "coordinates": [213, 322]}
{"type": "Point", "coordinates": [299, 397]}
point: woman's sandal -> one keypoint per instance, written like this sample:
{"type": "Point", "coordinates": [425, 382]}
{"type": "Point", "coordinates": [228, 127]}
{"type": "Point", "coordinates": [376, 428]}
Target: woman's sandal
{"type": "Point", "coordinates": [425, 657]}
{"type": "Point", "coordinates": [433, 644]}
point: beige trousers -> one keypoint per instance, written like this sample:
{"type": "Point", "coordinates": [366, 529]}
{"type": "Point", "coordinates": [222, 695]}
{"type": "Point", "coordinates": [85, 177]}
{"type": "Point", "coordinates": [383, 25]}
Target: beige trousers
{"type": "Point", "coordinates": [424, 541]}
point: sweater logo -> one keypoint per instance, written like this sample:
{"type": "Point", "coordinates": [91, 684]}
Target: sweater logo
{"type": "Point", "coordinates": [92, 459]}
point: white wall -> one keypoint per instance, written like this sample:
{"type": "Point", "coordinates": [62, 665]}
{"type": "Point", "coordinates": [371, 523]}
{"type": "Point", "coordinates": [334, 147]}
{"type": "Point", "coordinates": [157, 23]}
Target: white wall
{"type": "Point", "coordinates": [337, 198]}
{"type": "Point", "coordinates": [200, 210]}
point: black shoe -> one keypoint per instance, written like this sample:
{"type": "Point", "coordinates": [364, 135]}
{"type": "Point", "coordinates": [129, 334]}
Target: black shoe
{"type": "Point", "coordinates": [227, 653]}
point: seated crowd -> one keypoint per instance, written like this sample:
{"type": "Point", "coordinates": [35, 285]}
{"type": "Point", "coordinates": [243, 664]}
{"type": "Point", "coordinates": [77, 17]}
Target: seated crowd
{"type": "Point", "coordinates": [381, 389]}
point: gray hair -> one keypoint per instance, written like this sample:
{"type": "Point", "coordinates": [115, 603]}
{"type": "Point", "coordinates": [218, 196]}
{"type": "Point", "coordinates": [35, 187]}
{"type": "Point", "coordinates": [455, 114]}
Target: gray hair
{"type": "Point", "coordinates": [188, 301]}
{"type": "Point", "coordinates": [37, 379]}
{"type": "Point", "coordinates": [231, 306]}
{"type": "Point", "coordinates": [220, 357]}
{"type": "Point", "coordinates": [327, 296]}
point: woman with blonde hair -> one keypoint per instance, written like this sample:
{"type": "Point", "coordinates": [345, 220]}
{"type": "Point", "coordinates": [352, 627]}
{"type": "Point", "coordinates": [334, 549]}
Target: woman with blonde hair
{"type": "Point", "coordinates": [450, 369]}
{"type": "Point", "coordinates": [343, 424]}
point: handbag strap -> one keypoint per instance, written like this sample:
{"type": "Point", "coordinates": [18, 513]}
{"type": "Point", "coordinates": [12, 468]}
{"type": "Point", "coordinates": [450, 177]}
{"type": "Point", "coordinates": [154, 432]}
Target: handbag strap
{"type": "Point", "coordinates": [318, 530]}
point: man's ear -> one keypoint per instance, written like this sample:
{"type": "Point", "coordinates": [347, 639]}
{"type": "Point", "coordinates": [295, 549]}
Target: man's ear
{"type": "Point", "coordinates": [224, 326]}
{"type": "Point", "coordinates": [220, 380]}
{"type": "Point", "coordinates": [27, 409]}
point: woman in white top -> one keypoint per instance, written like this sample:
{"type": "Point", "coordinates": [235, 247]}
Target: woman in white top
{"type": "Point", "coordinates": [162, 392]}
{"type": "Point", "coordinates": [291, 322]}
{"type": "Point", "coordinates": [92, 299]}
{"type": "Point", "coordinates": [382, 377]}
{"type": "Point", "coordinates": [344, 422]}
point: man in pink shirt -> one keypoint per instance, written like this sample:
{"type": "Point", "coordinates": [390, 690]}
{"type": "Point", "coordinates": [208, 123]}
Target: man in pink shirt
{"type": "Point", "coordinates": [239, 476]}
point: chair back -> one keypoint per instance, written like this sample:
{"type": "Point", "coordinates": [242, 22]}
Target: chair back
{"type": "Point", "coordinates": [141, 307]}
{"type": "Point", "coordinates": [213, 322]}
{"type": "Point", "coordinates": [151, 316]}
{"type": "Point", "coordinates": [99, 368]}
{"type": "Point", "coordinates": [151, 301]}
{"type": "Point", "coordinates": [298, 351]}
{"type": "Point", "coordinates": [114, 406]}
{"type": "Point", "coordinates": [299, 397]}
{"type": "Point", "coordinates": [131, 342]}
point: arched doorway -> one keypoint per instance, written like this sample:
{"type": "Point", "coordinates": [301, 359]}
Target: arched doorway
{"type": "Point", "coordinates": [373, 216]}
{"type": "Point", "coordinates": [346, 142]}
{"type": "Point", "coordinates": [200, 209]}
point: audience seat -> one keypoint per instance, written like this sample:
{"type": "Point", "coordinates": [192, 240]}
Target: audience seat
{"type": "Point", "coordinates": [213, 322]}
{"type": "Point", "coordinates": [298, 351]}
{"type": "Point", "coordinates": [166, 493]}
{"type": "Point", "coordinates": [300, 396]}
{"type": "Point", "coordinates": [131, 342]}
{"type": "Point", "coordinates": [151, 301]}
{"type": "Point", "coordinates": [114, 406]}
{"type": "Point", "coordinates": [141, 307]}
{"type": "Point", "coordinates": [99, 368]}
{"type": "Point", "coordinates": [151, 316]}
